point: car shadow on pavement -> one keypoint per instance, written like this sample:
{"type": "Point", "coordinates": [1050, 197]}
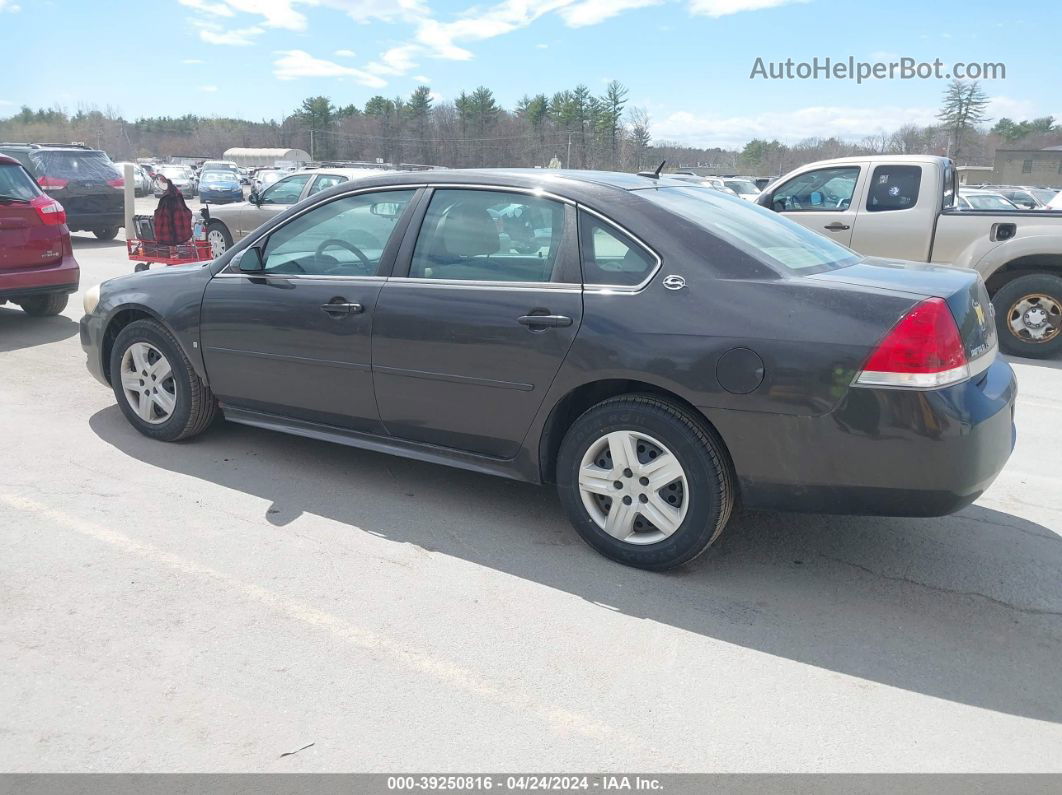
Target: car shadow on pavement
{"type": "Point", "coordinates": [87, 240]}
{"type": "Point", "coordinates": [19, 330]}
{"type": "Point", "coordinates": [966, 608]}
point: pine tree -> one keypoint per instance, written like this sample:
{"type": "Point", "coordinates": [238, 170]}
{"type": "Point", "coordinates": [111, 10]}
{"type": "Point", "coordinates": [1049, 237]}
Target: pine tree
{"type": "Point", "coordinates": [963, 109]}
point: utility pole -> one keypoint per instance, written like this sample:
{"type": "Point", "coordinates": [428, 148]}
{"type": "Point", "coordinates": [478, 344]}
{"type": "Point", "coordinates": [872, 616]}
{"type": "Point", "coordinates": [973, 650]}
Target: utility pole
{"type": "Point", "coordinates": [568, 162]}
{"type": "Point", "coordinates": [311, 144]}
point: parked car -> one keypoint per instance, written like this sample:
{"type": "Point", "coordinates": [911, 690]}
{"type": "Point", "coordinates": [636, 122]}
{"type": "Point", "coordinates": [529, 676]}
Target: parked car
{"type": "Point", "coordinates": [264, 177]}
{"type": "Point", "coordinates": [1055, 203]}
{"type": "Point", "coordinates": [245, 176]}
{"type": "Point", "coordinates": [707, 182]}
{"type": "Point", "coordinates": [90, 187]}
{"type": "Point", "coordinates": [220, 187]}
{"type": "Point", "coordinates": [37, 266]}
{"type": "Point", "coordinates": [743, 187]}
{"type": "Point", "coordinates": [906, 207]}
{"type": "Point", "coordinates": [1025, 198]}
{"type": "Point", "coordinates": [181, 176]}
{"type": "Point", "coordinates": [763, 182]}
{"type": "Point", "coordinates": [219, 165]}
{"type": "Point", "coordinates": [233, 222]}
{"type": "Point", "coordinates": [142, 182]}
{"type": "Point", "coordinates": [667, 351]}
{"type": "Point", "coordinates": [984, 200]}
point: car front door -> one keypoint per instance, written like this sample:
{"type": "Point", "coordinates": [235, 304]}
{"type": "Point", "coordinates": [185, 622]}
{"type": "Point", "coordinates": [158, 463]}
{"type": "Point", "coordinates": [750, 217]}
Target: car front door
{"type": "Point", "coordinates": [470, 333]}
{"type": "Point", "coordinates": [292, 339]}
{"type": "Point", "coordinates": [823, 199]}
{"type": "Point", "coordinates": [272, 201]}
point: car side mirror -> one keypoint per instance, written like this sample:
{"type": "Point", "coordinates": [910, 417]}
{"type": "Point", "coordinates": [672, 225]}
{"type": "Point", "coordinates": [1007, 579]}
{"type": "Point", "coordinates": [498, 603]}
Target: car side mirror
{"type": "Point", "coordinates": [250, 260]}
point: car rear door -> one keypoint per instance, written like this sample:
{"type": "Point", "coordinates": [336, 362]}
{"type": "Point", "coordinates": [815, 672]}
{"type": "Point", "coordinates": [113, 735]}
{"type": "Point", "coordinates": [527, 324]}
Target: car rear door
{"type": "Point", "coordinates": [293, 338]}
{"type": "Point", "coordinates": [471, 331]}
{"type": "Point", "coordinates": [825, 200]}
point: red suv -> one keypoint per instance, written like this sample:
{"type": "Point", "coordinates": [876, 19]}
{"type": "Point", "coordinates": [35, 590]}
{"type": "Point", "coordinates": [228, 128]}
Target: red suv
{"type": "Point", "coordinates": [37, 266]}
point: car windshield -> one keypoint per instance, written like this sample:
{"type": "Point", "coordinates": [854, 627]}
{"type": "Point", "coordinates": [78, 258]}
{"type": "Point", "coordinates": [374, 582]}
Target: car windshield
{"type": "Point", "coordinates": [755, 230]}
{"type": "Point", "coordinates": [74, 165]}
{"type": "Point", "coordinates": [176, 172]}
{"type": "Point", "coordinates": [742, 187]}
{"type": "Point", "coordinates": [987, 201]}
{"type": "Point", "coordinates": [16, 183]}
{"type": "Point", "coordinates": [218, 176]}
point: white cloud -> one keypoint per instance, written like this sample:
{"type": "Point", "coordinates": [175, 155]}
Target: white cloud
{"type": "Point", "coordinates": [208, 89]}
{"type": "Point", "coordinates": [885, 55]}
{"type": "Point", "coordinates": [1017, 109]}
{"type": "Point", "coordinates": [214, 9]}
{"type": "Point", "coordinates": [6, 102]}
{"type": "Point", "coordinates": [238, 37]}
{"type": "Point", "coordinates": [722, 8]}
{"type": "Point", "coordinates": [592, 12]}
{"type": "Point", "coordinates": [293, 64]}
{"type": "Point", "coordinates": [422, 79]}
{"type": "Point", "coordinates": [788, 126]}
{"type": "Point", "coordinates": [192, 61]}
{"type": "Point", "coordinates": [345, 53]}
{"type": "Point", "coordinates": [9, 5]}
{"type": "Point", "coordinates": [542, 46]}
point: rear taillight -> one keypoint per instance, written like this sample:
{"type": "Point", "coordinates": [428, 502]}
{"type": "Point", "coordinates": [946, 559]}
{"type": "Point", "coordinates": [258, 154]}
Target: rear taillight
{"type": "Point", "coordinates": [922, 351]}
{"type": "Point", "coordinates": [117, 182]}
{"type": "Point", "coordinates": [52, 183]}
{"type": "Point", "coordinates": [49, 210]}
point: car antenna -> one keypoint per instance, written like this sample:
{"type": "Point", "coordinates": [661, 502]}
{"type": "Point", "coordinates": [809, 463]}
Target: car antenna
{"type": "Point", "coordinates": [653, 174]}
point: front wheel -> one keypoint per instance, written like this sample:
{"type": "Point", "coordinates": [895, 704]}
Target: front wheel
{"type": "Point", "coordinates": [219, 238]}
{"type": "Point", "coordinates": [106, 232]}
{"type": "Point", "coordinates": [1029, 316]}
{"type": "Point", "coordinates": [156, 386]}
{"type": "Point", "coordinates": [44, 305]}
{"type": "Point", "coordinates": [644, 482]}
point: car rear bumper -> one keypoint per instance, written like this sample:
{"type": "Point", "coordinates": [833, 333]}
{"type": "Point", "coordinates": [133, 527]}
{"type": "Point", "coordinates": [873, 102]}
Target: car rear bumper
{"type": "Point", "coordinates": [80, 221]}
{"type": "Point", "coordinates": [60, 278]}
{"type": "Point", "coordinates": [887, 452]}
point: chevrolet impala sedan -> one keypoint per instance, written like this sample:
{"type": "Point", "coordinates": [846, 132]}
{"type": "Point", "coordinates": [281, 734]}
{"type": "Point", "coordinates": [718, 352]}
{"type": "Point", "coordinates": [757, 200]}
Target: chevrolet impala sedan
{"type": "Point", "coordinates": [660, 351]}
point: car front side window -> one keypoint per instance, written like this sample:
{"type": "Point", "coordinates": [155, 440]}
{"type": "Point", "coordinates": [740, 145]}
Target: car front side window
{"type": "Point", "coordinates": [822, 190]}
{"type": "Point", "coordinates": [345, 237]}
{"type": "Point", "coordinates": [480, 235]}
{"type": "Point", "coordinates": [285, 191]}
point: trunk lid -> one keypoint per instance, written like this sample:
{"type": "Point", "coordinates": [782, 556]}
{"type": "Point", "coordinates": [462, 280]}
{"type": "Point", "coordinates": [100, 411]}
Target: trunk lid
{"type": "Point", "coordinates": [961, 288]}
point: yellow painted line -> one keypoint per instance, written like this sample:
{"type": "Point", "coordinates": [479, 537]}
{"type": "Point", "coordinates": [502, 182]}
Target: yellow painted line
{"type": "Point", "coordinates": [443, 671]}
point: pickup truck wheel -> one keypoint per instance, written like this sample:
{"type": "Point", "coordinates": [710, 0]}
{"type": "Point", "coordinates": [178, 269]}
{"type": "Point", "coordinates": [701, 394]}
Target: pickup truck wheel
{"type": "Point", "coordinates": [644, 482]}
{"type": "Point", "coordinates": [43, 305]}
{"type": "Point", "coordinates": [1029, 316]}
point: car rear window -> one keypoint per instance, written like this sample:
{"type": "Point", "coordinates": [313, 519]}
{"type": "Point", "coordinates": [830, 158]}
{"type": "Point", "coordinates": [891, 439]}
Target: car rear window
{"type": "Point", "coordinates": [757, 231]}
{"type": "Point", "coordinates": [15, 183]}
{"type": "Point", "coordinates": [77, 165]}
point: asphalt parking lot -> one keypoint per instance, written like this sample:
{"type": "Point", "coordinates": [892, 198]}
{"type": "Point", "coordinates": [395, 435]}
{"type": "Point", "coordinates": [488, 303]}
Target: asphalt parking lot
{"type": "Point", "coordinates": [220, 604]}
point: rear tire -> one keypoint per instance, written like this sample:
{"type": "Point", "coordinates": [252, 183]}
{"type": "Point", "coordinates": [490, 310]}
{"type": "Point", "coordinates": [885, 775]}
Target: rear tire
{"type": "Point", "coordinates": [44, 305]}
{"type": "Point", "coordinates": [106, 232]}
{"type": "Point", "coordinates": [691, 508]}
{"type": "Point", "coordinates": [178, 405]}
{"type": "Point", "coordinates": [1029, 316]}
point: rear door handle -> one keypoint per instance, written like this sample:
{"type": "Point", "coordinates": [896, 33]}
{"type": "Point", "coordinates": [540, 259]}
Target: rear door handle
{"type": "Point", "coordinates": [545, 321]}
{"type": "Point", "coordinates": [341, 307]}
{"type": "Point", "coordinates": [837, 226]}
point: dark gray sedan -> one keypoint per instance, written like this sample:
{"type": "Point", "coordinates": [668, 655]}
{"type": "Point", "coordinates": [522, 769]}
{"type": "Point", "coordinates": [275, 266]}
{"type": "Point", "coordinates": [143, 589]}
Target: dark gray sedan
{"type": "Point", "coordinates": [659, 350]}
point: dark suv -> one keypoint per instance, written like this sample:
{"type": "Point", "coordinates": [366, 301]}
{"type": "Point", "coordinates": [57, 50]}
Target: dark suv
{"type": "Point", "coordinates": [83, 180]}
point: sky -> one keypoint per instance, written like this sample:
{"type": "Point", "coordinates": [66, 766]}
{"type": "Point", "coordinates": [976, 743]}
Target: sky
{"type": "Point", "coordinates": [686, 62]}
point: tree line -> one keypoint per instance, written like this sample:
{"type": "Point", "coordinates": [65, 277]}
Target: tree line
{"type": "Point", "coordinates": [573, 128]}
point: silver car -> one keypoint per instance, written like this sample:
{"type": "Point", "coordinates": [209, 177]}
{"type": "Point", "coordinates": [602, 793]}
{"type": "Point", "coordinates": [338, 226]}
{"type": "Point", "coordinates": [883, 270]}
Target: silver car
{"type": "Point", "coordinates": [232, 222]}
{"type": "Point", "coordinates": [181, 176]}
{"type": "Point", "coordinates": [142, 183]}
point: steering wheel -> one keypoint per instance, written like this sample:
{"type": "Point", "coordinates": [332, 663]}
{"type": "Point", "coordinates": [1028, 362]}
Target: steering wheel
{"type": "Point", "coordinates": [335, 241]}
{"type": "Point", "coordinates": [843, 204]}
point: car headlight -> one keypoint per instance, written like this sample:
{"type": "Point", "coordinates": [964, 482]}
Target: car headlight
{"type": "Point", "coordinates": [91, 299]}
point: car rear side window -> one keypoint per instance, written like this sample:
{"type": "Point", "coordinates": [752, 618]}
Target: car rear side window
{"type": "Point", "coordinates": [893, 187]}
{"type": "Point", "coordinates": [15, 183]}
{"type": "Point", "coordinates": [609, 257]}
{"type": "Point", "coordinates": [493, 236]}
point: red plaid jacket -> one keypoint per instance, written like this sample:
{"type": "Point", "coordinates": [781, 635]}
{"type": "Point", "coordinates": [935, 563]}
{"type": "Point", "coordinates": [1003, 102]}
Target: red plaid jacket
{"type": "Point", "coordinates": [173, 219]}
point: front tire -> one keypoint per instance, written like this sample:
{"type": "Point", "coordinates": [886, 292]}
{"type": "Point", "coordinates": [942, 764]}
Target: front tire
{"type": "Point", "coordinates": [219, 238]}
{"type": "Point", "coordinates": [1029, 316]}
{"type": "Point", "coordinates": [106, 232]}
{"type": "Point", "coordinates": [44, 305]}
{"type": "Point", "coordinates": [644, 482]}
{"type": "Point", "coordinates": [156, 386]}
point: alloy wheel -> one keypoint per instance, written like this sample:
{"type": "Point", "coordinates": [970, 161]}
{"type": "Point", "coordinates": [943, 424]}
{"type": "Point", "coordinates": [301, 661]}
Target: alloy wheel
{"type": "Point", "coordinates": [147, 382]}
{"type": "Point", "coordinates": [633, 487]}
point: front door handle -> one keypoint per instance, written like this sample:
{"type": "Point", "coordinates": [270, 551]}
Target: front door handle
{"type": "Point", "coordinates": [544, 321]}
{"type": "Point", "coordinates": [837, 226]}
{"type": "Point", "coordinates": [339, 306]}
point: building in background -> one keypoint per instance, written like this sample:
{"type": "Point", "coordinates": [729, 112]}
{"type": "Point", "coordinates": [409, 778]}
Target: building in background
{"type": "Point", "coordinates": [1029, 167]}
{"type": "Point", "coordinates": [271, 158]}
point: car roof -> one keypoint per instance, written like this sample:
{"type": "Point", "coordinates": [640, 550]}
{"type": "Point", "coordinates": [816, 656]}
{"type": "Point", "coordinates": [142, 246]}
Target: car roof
{"type": "Point", "coordinates": [7, 161]}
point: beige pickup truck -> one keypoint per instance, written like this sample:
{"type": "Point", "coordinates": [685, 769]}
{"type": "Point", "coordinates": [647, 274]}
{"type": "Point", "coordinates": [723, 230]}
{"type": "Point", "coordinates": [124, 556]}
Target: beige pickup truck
{"type": "Point", "coordinates": [904, 207]}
